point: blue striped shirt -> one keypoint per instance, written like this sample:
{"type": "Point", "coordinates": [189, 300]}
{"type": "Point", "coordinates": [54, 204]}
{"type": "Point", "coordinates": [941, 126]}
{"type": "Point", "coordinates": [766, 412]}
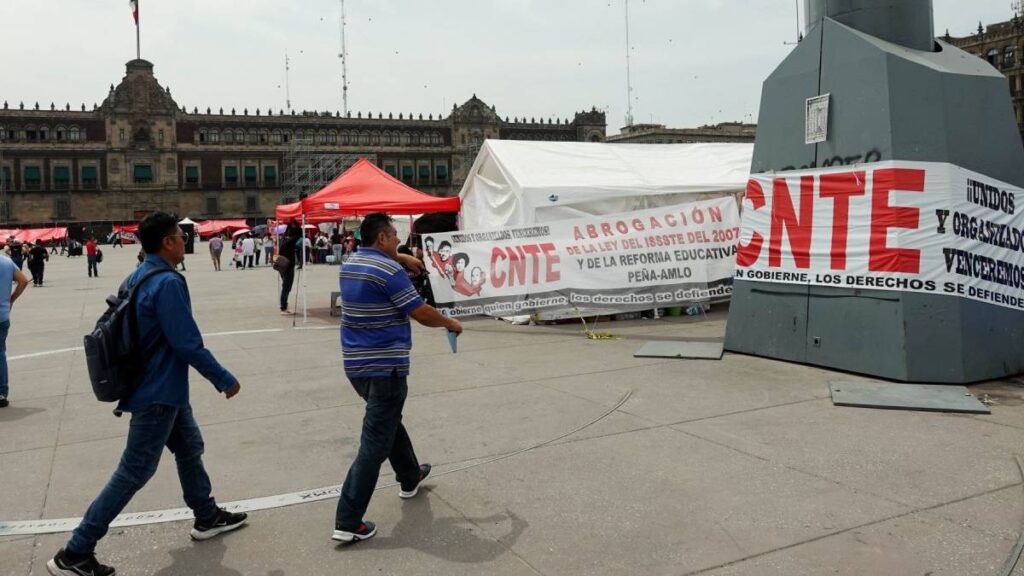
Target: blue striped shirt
{"type": "Point", "coordinates": [376, 299]}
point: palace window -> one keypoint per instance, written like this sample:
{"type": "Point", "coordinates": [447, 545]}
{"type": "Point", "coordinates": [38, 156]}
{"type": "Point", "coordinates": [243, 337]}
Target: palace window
{"type": "Point", "coordinates": [61, 208]}
{"type": "Point", "coordinates": [6, 183]}
{"type": "Point", "coordinates": [161, 136]}
{"type": "Point", "coordinates": [249, 172]}
{"type": "Point", "coordinates": [61, 177]}
{"type": "Point", "coordinates": [993, 57]}
{"type": "Point", "coordinates": [74, 135]}
{"type": "Point", "coordinates": [231, 176]}
{"type": "Point", "coordinates": [264, 136]}
{"type": "Point", "coordinates": [44, 133]}
{"type": "Point", "coordinates": [213, 137]}
{"type": "Point", "coordinates": [364, 139]}
{"type": "Point", "coordinates": [252, 204]}
{"type": "Point", "coordinates": [89, 177]}
{"type": "Point", "coordinates": [229, 137]}
{"type": "Point", "coordinates": [424, 174]}
{"type": "Point", "coordinates": [321, 138]}
{"type": "Point", "coordinates": [5, 210]}
{"type": "Point", "coordinates": [192, 176]}
{"type": "Point", "coordinates": [32, 177]}
{"type": "Point", "coordinates": [59, 133]}
{"type": "Point", "coordinates": [143, 173]}
{"type": "Point", "coordinates": [202, 136]}
{"type": "Point", "coordinates": [390, 169]}
{"type": "Point", "coordinates": [212, 206]}
{"type": "Point", "coordinates": [346, 138]}
{"type": "Point", "coordinates": [332, 137]}
{"type": "Point", "coordinates": [3, 134]}
{"type": "Point", "coordinates": [407, 174]}
{"type": "Point", "coordinates": [275, 137]}
{"type": "Point", "coordinates": [239, 137]}
{"type": "Point", "coordinates": [270, 175]}
{"type": "Point", "coordinates": [1009, 56]}
{"type": "Point", "coordinates": [375, 139]}
{"type": "Point", "coordinates": [441, 173]}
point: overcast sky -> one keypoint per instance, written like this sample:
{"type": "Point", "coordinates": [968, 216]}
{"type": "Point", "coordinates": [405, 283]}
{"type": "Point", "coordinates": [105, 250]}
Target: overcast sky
{"type": "Point", "coordinates": [693, 61]}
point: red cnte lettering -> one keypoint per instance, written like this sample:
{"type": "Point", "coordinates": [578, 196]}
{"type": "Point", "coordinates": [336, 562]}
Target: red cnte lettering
{"type": "Point", "coordinates": [883, 217]}
{"type": "Point", "coordinates": [746, 254]}
{"type": "Point", "coordinates": [784, 217]}
{"type": "Point", "coordinates": [840, 187]}
{"type": "Point", "coordinates": [521, 265]}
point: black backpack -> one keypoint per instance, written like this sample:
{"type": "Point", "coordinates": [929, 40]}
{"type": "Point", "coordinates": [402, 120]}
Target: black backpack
{"type": "Point", "coordinates": [113, 354]}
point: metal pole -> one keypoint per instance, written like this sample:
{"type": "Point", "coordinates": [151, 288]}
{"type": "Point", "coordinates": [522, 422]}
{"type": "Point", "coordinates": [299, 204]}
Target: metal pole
{"type": "Point", "coordinates": [138, 36]}
{"type": "Point", "coordinates": [304, 263]}
{"type": "Point", "coordinates": [344, 64]}
{"type": "Point", "coordinates": [629, 81]}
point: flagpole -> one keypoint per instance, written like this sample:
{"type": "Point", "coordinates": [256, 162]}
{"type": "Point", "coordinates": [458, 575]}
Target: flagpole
{"type": "Point", "coordinates": [138, 37]}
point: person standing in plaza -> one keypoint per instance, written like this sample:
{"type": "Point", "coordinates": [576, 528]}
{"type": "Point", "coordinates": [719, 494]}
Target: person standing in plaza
{"type": "Point", "coordinates": [248, 250]}
{"type": "Point", "coordinates": [290, 252]}
{"type": "Point", "coordinates": [377, 300]}
{"type": "Point", "coordinates": [336, 246]}
{"type": "Point", "coordinates": [259, 248]}
{"type": "Point", "coordinates": [37, 257]}
{"type": "Point", "coordinates": [9, 274]}
{"type": "Point", "coordinates": [90, 256]}
{"type": "Point", "coordinates": [15, 251]}
{"type": "Point", "coordinates": [216, 248]}
{"type": "Point", "coordinates": [160, 408]}
{"type": "Point", "coordinates": [268, 249]}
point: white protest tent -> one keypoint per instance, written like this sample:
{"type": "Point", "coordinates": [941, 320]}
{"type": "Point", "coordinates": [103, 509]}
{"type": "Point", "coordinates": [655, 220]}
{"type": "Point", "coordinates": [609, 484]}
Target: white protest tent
{"type": "Point", "coordinates": [515, 183]}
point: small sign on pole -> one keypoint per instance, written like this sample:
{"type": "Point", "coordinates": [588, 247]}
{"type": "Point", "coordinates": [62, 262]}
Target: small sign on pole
{"type": "Point", "coordinates": [816, 119]}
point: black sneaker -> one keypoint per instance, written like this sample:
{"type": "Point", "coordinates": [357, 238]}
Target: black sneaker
{"type": "Point", "coordinates": [3, 401]}
{"type": "Point", "coordinates": [410, 491]}
{"type": "Point", "coordinates": [365, 531]}
{"type": "Point", "coordinates": [224, 522]}
{"type": "Point", "coordinates": [63, 565]}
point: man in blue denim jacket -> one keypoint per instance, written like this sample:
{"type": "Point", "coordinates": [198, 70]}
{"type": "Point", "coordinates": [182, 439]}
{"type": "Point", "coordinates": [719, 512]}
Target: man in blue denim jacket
{"type": "Point", "coordinates": [161, 414]}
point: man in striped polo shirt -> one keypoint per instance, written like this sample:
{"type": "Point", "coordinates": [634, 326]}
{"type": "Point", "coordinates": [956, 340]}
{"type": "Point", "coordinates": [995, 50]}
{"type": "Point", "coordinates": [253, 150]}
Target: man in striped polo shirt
{"type": "Point", "coordinates": [377, 300]}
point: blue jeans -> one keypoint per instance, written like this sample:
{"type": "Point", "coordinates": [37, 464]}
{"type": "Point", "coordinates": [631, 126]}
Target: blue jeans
{"type": "Point", "coordinates": [383, 438]}
{"type": "Point", "coordinates": [93, 271]}
{"type": "Point", "coordinates": [5, 327]}
{"type": "Point", "coordinates": [149, 431]}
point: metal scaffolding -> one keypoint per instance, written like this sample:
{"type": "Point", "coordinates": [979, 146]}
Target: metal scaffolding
{"type": "Point", "coordinates": [307, 168]}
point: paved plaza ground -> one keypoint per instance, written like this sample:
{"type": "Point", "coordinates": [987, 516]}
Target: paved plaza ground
{"type": "Point", "coordinates": [735, 467]}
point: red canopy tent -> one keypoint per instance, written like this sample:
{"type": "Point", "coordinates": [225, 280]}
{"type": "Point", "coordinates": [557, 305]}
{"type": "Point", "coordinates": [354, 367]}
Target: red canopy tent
{"type": "Point", "coordinates": [362, 189]}
{"type": "Point", "coordinates": [33, 235]}
{"type": "Point", "coordinates": [208, 228]}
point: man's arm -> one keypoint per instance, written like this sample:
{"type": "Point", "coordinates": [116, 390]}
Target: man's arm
{"type": "Point", "coordinates": [431, 318]}
{"type": "Point", "coordinates": [179, 327]}
{"type": "Point", "coordinates": [22, 281]}
{"type": "Point", "coordinates": [411, 262]}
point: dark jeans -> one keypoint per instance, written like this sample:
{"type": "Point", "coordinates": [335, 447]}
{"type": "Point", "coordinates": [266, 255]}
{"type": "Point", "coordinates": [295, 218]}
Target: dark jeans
{"type": "Point", "coordinates": [5, 328]}
{"type": "Point", "coordinates": [258, 250]}
{"type": "Point", "coordinates": [248, 261]}
{"type": "Point", "coordinates": [93, 271]}
{"type": "Point", "coordinates": [383, 438]}
{"type": "Point", "coordinates": [37, 273]}
{"type": "Point", "coordinates": [287, 278]}
{"type": "Point", "coordinates": [149, 431]}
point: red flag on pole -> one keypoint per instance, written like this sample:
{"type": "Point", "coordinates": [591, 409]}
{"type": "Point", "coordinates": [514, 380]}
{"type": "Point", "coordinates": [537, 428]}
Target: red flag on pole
{"type": "Point", "coordinates": [135, 10]}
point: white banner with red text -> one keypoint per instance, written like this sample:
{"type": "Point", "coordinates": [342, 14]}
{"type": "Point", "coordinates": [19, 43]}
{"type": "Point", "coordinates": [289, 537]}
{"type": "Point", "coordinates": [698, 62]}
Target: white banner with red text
{"type": "Point", "coordinates": [906, 226]}
{"type": "Point", "coordinates": [660, 257]}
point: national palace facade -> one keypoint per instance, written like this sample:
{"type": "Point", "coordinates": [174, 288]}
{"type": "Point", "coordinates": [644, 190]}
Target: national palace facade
{"type": "Point", "coordinates": [139, 151]}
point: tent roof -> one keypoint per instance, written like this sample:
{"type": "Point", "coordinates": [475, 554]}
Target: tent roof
{"type": "Point", "coordinates": [186, 220]}
{"type": "Point", "coordinates": [362, 189]}
{"type": "Point", "coordinates": [515, 183]}
{"type": "Point", "coordinates": [615, 168]}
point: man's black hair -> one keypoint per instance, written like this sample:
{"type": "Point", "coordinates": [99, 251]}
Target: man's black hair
{"type": "Point", "coordinates": [154, 228]}
{"type": "Point", "coordinates": [443, 244]}
{"type": "Point", "coordinates": [372, 226]}
{"type": "Point", "coordinates": [461, 256]}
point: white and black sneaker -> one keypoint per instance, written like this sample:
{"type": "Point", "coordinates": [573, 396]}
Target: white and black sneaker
{"type": "Point", "coordinates": [365, 531]}
{"type": "Point", "coordinates": [409, 491]}
{"type": "Point", "coordinates": [3, 401]}
{"type": "Point", "coordinates": [65, 564]}
{"type": "Point", "coordinates": [224, 522]}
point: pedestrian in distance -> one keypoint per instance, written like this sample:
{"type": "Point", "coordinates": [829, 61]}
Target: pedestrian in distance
{"type": "Point", "coordinates": [248, 251]}
{"type": "Point", "coordinates": [9, 274]}
{"type": "Point", "coordinates": [216, 248]}
{"type": "Point", "coordinates": [90, 256]}
{"type": "Point", "coordinates": [268, 249]}
{"type": "Point", "coordinates": [286, 262]}
{"type": "Point", "coordinates": [161, 415]}
{"type": "Point", "coordinates": [377, 300]}
{"type": "Point", "coordinates": [37, 257]}
{"type": "Point", "coordinates": [259, 248]}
